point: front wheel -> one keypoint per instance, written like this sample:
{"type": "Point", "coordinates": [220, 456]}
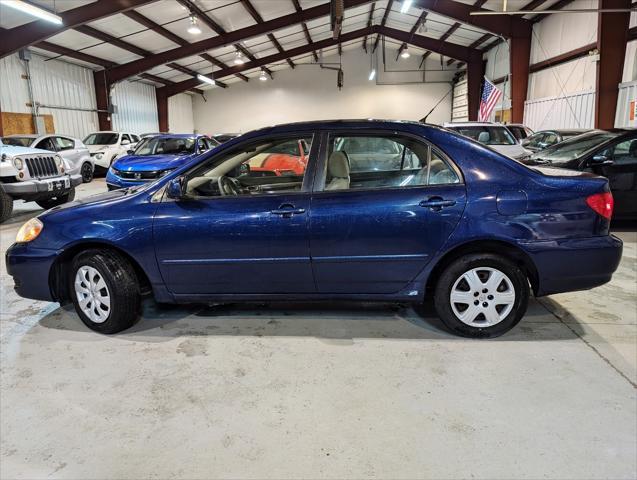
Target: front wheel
{"type": "Point", "coordinates": [57, 200]}
{"type": "Point", "coordinates": [6, 205]}
{"type": "Point", "coordinates": [481, 295]}
{"type": "Point", "coordinates": [105, 291]}
{"type": "Point", "coordinates": [87, 172]}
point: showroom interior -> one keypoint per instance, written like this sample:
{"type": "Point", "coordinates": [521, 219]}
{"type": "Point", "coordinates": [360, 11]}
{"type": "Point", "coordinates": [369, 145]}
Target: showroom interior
{"type": "Point", "coordinates": [290, 387]}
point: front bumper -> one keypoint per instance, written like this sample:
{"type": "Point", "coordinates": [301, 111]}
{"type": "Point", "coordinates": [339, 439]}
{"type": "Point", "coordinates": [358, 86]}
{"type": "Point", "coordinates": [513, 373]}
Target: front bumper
{"type": "Point", "coordinates": [113, 182]}
{"type": "Point", "coordinates": [30, 268]}
{"type": "Point", "coordinates": [574, 264]}
{"type": "Point", "coordinates": [40, 188]}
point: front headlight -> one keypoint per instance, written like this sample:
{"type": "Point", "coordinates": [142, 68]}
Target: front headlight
{"type": "Point", "coordinates": [18, 163]}
{"type": "Point", "coordinates": [99, 156]}
{"type": "Point", "coordinates": [29, 231]}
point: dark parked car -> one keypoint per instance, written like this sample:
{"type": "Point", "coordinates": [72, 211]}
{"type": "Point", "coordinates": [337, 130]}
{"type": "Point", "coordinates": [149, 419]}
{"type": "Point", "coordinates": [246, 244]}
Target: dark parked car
{"type": "Point", "coordinates": [546, 138]}
{"type": "Point", "coordinates": [612, 154]}
{"type": "Point", "coordinates": [459, 221]}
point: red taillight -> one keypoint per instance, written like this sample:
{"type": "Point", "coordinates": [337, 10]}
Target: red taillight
{"type": "Point", "coordinates": [602, 203]}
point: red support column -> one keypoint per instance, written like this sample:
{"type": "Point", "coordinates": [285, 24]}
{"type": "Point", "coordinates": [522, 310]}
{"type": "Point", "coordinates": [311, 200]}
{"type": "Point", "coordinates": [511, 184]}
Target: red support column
{"type": "Point", "coordinates": [520, 58]}
{"type": "Point", "coordinates": [612, 35]}
{"type": "Point", "coordinates": [162, 109]}
{"type": "Point", "coordinates": [102, 91]}
{"type": "Point", "coordinates": [475, 74]}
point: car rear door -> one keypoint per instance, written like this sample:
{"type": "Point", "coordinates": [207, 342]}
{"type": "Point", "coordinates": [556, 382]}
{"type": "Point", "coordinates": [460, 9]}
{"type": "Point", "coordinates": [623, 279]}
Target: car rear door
{"type": "Point", "coordinates": [227, 242]}
{"type": "Point", "coordinates": [378, 233]}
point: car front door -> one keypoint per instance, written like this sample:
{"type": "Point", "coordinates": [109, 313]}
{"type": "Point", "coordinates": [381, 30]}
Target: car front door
{"type": "Point", "coordinates": [237, 230]}
{"type": "Point", "coordinates": [376, 224]}
{"type": "Point", "coordinates": [618, 163]}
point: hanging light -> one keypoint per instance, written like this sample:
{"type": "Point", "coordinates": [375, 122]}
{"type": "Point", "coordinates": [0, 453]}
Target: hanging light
{"type": "Point", "coordinates": [405, 6]}
{"type": "Point", "coordinates": [372, 74]}
{"type": "Point", "coordinates": [204, 79]}
{"type": "Point", "coordinates": [263, 77]}
{"type": "Point", "coordinates": [405, 53]}
{"type": "Point", "coordinates": [193, 29]}
{"type": "Point", "coordinates": [238, 58]}
{"type": "Point", "coordinates": [33, 10]}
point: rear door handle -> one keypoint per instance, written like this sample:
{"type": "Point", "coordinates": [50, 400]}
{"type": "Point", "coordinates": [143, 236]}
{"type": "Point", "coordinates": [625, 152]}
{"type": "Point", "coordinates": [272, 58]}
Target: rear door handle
{"type": "Point", "coordinates": [437, 203]}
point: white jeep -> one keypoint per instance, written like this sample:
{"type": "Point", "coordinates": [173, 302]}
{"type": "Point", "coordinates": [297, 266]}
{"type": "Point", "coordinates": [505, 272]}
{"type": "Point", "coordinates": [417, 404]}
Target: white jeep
{"type": "Point", "coordinates": [31, 174]}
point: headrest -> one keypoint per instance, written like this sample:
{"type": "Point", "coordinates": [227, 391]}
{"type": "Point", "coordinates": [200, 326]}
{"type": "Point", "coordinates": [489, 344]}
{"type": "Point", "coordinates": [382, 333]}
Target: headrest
{"type": "Point", "coordinates": [484, 137]}
{"type": "Point", "coordinates": [338, 165]}
{"type": "Point", "coordinates": [633, 148]}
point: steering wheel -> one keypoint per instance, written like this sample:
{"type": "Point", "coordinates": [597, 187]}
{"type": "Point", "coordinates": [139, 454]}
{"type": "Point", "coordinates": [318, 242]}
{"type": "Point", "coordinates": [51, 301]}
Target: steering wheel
{"type": "Point", "coordinates": [229, 186]}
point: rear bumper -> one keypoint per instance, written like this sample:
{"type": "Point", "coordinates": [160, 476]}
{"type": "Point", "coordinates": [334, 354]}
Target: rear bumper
{"type": "Point", "coordinates": [574, 264]}
{"type": "Point", "coordinates": [30, 269]}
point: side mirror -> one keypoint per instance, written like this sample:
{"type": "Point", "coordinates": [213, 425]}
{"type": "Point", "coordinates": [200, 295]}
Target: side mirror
{"type": "Point", "coordinates": [175, 189]}
{"type": "Point", "coordinates": [600, 159]}
{"type": "Point", "coordinates": [125, 142]}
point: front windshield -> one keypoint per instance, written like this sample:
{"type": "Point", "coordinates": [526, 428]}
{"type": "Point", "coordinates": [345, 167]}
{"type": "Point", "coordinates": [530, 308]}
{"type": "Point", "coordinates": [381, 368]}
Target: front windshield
{"type": "Point", "coordinates": [574, 147]}
{"type": "Point", "coordinates": [488, 135]}
{"type": "Point", "coordinates": [101, 139]}
{"type": "Point", "coordinates": [17, 141]}
{"type": "Point", "coordinates": [166, 146]}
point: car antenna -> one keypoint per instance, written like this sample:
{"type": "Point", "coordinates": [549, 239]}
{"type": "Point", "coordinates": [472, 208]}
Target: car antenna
{"type": "Point", "coordinates": [424, 119]}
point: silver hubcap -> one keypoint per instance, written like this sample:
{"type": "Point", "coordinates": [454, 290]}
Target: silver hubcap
{"type": "Point", "coordinates": [92, 294]}
{"type": "Point", "coordinates": [482, 297]}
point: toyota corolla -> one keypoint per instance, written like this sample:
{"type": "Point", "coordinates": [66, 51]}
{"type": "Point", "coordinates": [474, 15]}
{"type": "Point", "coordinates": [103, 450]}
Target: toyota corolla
{"type": "Point", "coordinates": [441, 215]}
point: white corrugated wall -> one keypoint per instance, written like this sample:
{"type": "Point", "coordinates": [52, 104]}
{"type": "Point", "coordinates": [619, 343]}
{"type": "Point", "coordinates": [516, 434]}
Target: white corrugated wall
{"type": "Point", "coordinates": [55, 83]}
{"type": "Point", "coordinates": [460, 101]}
{"type": "Point", "coordinates": [570, 111]}
{"type": "Point", "coordinates": [180, 116]}
{"type": "Point", "coordinates": [136, 107]}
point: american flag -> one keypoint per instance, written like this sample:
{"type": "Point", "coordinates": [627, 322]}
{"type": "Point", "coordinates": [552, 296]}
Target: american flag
{"type": "Point", "coordinates": [490, 96]}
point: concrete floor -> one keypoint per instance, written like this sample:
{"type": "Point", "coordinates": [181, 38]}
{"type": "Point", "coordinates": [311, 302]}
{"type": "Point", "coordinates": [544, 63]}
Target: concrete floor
{"type": "Point", "coordinates": [320, 391]}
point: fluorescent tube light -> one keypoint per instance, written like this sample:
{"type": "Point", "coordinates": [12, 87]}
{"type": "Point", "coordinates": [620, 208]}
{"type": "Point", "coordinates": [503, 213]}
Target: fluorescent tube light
{"type": "Point", "coordinates": [204, 79]}
{"type": "Point", "coordinates": [406, 5]}
{"type": "Point", "coordinates": [33, 10]}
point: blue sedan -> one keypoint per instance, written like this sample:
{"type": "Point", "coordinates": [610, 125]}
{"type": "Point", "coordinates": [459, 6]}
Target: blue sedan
{"type": "Point", "coordinates": [154, 157]}
{"type": "Point", "coordinates": [386, 211]}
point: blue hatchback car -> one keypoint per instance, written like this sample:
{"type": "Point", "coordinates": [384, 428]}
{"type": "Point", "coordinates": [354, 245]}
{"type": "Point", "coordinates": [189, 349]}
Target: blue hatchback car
{"type": "Point", "coordinates": [154, 157]}
{"type": "Point", "coordinates": [387, 211]}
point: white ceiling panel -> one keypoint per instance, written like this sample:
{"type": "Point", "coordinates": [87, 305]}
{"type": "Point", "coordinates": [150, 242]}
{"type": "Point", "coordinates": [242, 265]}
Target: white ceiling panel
{"type": "Point", "coordinates": [109, 52]}
{"type": "Point", "coordinates": [117, 25]}
{"type": "Point", "coordinates": [47, 54]}
{"type": "Point", "coordinates": [74, 40]}
{"type": "Point", "coordinates": [273, 8]}
{"type": "Point", "coordinates": [151, 41]}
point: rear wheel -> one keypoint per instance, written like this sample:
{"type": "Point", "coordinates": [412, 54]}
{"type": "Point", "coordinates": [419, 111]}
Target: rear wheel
{"type": "Point", "coordinates": [57, 200]}
{"type": "Point", "coordinates": [481, 295]}
{"type": "Point", "coordinates": [6, 205]}
{"type": "Point", "coordinates": [105, 291]}
{"type": "Point", "coordinates": [87, 172]}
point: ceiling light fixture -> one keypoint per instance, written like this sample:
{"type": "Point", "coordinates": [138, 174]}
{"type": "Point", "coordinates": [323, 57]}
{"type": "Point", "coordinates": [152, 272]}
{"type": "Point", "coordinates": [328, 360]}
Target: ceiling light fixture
{"type": "Point", "coordinates": [263, 77]}
{"type": "Point", "coordinates": [406, 6]}
{"type": "Point", "coordinates": [238, 58]}
{"type": "Point", "coordinates": [204, 79]}
{"type": "Point", "coordinates": [33, 10]}
{"type": "Point", "coordinates": [405, 53]}
{"type": "Point", "coordinates": [193, 29]}
{"type": "Point", "coordinates": [372, 74]}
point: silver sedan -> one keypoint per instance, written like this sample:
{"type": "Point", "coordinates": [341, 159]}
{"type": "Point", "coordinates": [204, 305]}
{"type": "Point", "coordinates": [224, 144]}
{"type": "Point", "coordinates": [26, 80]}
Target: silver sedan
{"type": "Point", "coordinates": [76, 156]}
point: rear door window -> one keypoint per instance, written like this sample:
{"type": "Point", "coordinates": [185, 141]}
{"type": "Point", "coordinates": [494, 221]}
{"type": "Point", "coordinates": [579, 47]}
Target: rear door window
{"type": "Point", "coordinates": [46, 144]}
{"type": "Point", "coordinates": [378, 161]}
{"type": "Point", "coordinates": [63, 143]}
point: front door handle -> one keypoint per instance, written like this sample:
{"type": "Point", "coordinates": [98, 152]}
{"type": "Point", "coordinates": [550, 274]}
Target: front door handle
{"type": "Point", "coordinates": [437, 203]}
{"type": "Point", "coordinates": [287, 210]}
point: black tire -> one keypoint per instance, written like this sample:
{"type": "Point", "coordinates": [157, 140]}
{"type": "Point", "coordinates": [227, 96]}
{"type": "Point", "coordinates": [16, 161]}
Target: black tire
{"type": "Point", "coordinates": [6, 205]}
{"type": "Point", "coordinates": [57, 200]}
{"type": "Point", "coordinates": [123, 290]}
{"type": "Point", "coordinates": [453, 272]}
{"type": "Point", "coordinates": [87, 172]}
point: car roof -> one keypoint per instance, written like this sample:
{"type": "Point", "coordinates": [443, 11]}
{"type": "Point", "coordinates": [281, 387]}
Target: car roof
{"type": "Point", "coordinates": [472, 124]}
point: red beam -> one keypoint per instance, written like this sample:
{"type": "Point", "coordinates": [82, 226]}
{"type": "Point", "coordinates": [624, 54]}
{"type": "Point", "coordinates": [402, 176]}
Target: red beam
{"type": "Point", "coordinates": [34, 32]}
{"type": "Point", "coordinates": [306, 31]}
{"type": "Point", "coordinates": [102, 94]}
{"type": "Point", "coordinates": [105, 37]}
{"type": "Point", "coordinates": [133, 68]}
{"type": "Point", "coordinates": [475, 74]}
{"type": "Point", "coordinates": [162, 109]}
{"type": "Point", "coordinates": [382, 22]}
{"type": "Point", "coordinates": [563, 58]}
{"type": "Point", "coordinates": [67, 52]}
{"type": "Point", "coordinates": [519, 58]}
{"type": "Point", "coordinates": [369, 23]}
{"type": "Point", "coordinates": [612, 36]}
{"type": "Point", "coordinates": [257, 18]}
{"type": "Point", "coordinates": [447, 49]}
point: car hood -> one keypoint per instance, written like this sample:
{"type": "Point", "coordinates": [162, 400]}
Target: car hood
{"type": "Point", "coordinates": [99, 148]}
{"type": "Point", "coordinates": [100, 198]}
{"type": "Point", "coordinates": [513, 151]}
{"type": "Point", "coordinates": [12, 151]}
{"type": "Point", "coordinates": [142, 163]}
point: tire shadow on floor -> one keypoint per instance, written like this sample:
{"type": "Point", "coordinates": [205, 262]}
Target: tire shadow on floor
{"type": "Point", "coordinates": [333, 320]}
